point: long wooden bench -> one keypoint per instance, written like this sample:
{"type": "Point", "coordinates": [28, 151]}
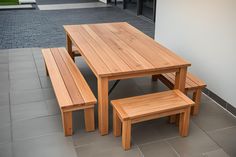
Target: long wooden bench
{"type": "Point", "coordinates": [70, 87]}
{"type": "Point", "coordinates": [146, 107]}
{"type": "Point", "coordinates": [193, 84]}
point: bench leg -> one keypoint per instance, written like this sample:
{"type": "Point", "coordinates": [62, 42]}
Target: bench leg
{"type": "Point", "coordinates": [196, 98]}
{"type": "Point", "coordinates": [89, 119]}
{"type": "Point", "coordinates": [184, 122]}
{"type": "Point", "coordinates": [67, 123]}
{"type": "Point", "coordinates": [116, 124]}
{"type": "Point", "coordinates": [126, 134]}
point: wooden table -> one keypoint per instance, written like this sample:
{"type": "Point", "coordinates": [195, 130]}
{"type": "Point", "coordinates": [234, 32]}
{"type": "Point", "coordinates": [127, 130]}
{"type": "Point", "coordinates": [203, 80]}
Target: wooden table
{"type": "Point", "coordinates": [117, 51]}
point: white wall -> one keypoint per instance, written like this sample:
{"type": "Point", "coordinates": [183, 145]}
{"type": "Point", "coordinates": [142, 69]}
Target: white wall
{"type": "Point", "coordinates": [204, 33]}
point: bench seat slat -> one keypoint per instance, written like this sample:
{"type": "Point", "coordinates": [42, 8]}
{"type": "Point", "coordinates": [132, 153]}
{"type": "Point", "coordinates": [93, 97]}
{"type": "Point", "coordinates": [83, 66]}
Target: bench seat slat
{"type": "Point", "coordinates": [191, 81]}
{"type": "Point", "coordinates": [68, 79]}
{"type": "Point", "coordinates": [57, 81]}
{"type": "Point", "coordinates": [139, 106]}
{"type": "Point", "coordinates": [80, 82]}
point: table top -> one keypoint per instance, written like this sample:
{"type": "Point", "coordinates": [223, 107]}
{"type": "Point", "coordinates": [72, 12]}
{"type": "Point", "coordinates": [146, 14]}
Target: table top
{"type": "Point", "coordinates": [115, 49]}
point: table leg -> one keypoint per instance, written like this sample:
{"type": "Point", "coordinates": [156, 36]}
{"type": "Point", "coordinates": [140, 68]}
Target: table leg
{"type": "Point", "coordinates": [103, 105]}
{"type": "Point", "coordinates": [180, 79]}
{"type": "Point", "coordinates": [69, 46]}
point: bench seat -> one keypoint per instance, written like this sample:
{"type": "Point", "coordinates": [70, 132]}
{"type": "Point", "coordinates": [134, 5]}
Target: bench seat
{"type": "Point", "coordinates": [193, 84]}
{"type": "Point", "coordinates": [70, 87]}
{"type": "Point", "coordinates": [146, 107]}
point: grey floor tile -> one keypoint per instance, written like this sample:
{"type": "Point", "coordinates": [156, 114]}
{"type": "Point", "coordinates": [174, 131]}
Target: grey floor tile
{"type": "Point", "coordinates": [45, 82]}
{"type": "Point", "coordinates": [91, 151]}
{"type": "Point", "coordinates": [5, 133]}
{"type": "Point", "coordinates": [33, 128]}
{"type": "Point", "coordinates": [5, 115]}
{"type": "Point", "coordinates": [6, 150]}
{"type": "Point", "coordinates": [52, 107]}
{"type": "Point", "coordinates": [155, 130]}
{"type": "Point", "coordinates": [4, 76]}
{"type": "Point", "coordinates": [25, 84]}
{"type": "Point", "coordinates": [93, 144]}
{"type": "Point", "coordinates": [20, 58]}
{"type": "Point", "coordinates": [53, 145]}
{"type": "Point", "coordinates": [4, 67]}
{"type": "Point", "coordinates": [4, 86]}
{"type": "Point", "coordinates": [212, 117]}
{"type": "Point", "coordinates": [4, 99]}
{"type": "Point", "coordinates": [19, 52]}
{"type": "Point", "coordinates": [48, 93]}
{"type": "Point", "coordinates": [125, 88]}
{"type": "Point", "coordinates": [195, 144]}
{"type": "Point", "coordinates": [161, 148]}
{"type": "Point", "coordinates": [19, 66]}
{"type": "Point", "coordinates": [29, 111]}
{"type": "Point", "coordinates": [26, 74]}
{"type": "Point", "coordinates": [22, 97]}
{"type": "Point", "coordinates": [226, 139]}
{"type": "Point", "coordinates": [4, 58]}
{"type": "Point", "coordinates": [148, 86]}
{"type": "Point", "coordinates": [216, 153]}
{"type": "Point", "coordinates": [82, 138]}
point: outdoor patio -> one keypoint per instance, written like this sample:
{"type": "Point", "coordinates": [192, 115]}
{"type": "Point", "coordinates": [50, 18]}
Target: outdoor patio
{"type": "Point", "coordinates": [30, 119]}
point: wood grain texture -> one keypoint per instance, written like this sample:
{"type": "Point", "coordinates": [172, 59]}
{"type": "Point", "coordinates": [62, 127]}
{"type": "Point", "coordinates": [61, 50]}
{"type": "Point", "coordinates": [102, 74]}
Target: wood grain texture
{"type": "Point", "coordinates": [140, 106]}
{"type": "Point", "coordinates": [150, 106]}
{"type": "Point", "coordinates": [119, 51]}
{"type": "Point", "coordinates": [70, 87]}
{"type": "Point", "coordinates": [120, 48]}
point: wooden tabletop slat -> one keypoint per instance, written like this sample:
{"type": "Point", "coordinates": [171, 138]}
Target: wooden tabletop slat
{"type": "Point", "coordinates": [81, 83]}
{"type": "Point", "coordinates": [103, 47]}
{"type": "Point", "coordinates": [135, 60]}
{"type": "Point", "coordinates": [138, 46]}
{"type": "Point", "coordinates": [115, 49]}
{"type": "Point", "coordinates": [94, 61]}
{"type": "Point", "coordinates": [149, 42]}
{"type": "Point", "coordinates": [57, 81]}
{"type": "Point", "coordinates": [68, 79]}
{"type": "Point", "coordinates": [96, 45]}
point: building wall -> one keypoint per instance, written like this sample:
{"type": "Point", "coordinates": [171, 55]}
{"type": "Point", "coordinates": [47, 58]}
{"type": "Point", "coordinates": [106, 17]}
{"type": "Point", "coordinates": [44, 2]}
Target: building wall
{"type": "Point", "coordinates": [204, 33]}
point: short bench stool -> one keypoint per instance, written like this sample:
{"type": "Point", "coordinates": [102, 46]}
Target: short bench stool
{"type": "Point", "coordinates": [193, 84]}
{"type": "Point", "coordinates": [137, 109]}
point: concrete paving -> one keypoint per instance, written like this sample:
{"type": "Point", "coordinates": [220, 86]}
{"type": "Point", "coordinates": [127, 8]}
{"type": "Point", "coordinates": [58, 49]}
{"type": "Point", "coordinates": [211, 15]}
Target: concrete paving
{"type": "Point", "coordinates": [30, 120]}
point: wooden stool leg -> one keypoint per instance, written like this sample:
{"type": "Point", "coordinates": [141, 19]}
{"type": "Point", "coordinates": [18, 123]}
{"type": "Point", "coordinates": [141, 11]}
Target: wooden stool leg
{"type": "Point", "coordinates": [184, 122]}
{"type": "Point", "coordinates": [116, 124]}
{"type": "Point", "coordinates": [197, 99]}
{"type": "Point", "coordinates": [126, 134]}
{"type": "Point", "coordinates": [89, 119]}
{"type": "Point", "coordinates": [67, 123]}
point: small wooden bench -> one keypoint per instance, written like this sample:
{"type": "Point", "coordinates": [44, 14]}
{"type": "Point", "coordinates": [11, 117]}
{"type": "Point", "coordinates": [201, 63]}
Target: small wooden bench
{"type": "Point", "coordinates": [193, 84]}
{"type": "Point", "coordinates": [146, 107]}
{"type": "Point", "coordinates": [70, 87]}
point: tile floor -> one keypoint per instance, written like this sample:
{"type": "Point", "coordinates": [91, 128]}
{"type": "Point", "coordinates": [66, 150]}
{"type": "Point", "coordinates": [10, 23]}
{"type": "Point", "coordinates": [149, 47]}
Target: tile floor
{"type": "Point", "coordinates": [30, 122]}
